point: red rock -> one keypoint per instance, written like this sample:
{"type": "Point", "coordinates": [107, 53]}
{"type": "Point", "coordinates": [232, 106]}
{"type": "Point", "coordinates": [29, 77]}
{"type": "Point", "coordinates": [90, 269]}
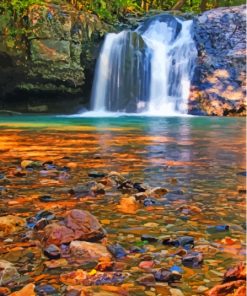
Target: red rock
{"type": "Point", "coordinates": [4, 291]}
{"type": "Point", "coordinates": [146, 264]}
{"type": "Point", "coordinates": [58, 234]}
{"type": "Point", "coordinates": [84, 225]}
{"type": "Point", "coordinates": [235, 273]}
{"type": "Point", "coordinates": [227, 288]}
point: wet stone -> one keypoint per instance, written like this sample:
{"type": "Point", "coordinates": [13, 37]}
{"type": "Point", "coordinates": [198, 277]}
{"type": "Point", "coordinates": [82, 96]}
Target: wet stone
{"type": "Point", "coordinates": [149, 238]}
{"type": "Point", "coordinates": [151, 202]}
{"type": "Point", "coordinates": [87, 250]}
{"type": "Point", "coordinates": [218, 228]}
{"type": "Point", "coordinates": [41, 224]}
{"type": "Point", "coordinates": [84, 225]}
{"type": "Point", "coordinates": [140, 187]}
{"type": "Point", "coordinates": [8, 273]}
{"type": "Point", "coordinates": [95, 174]}
{"type": "Point", "coordinates": [183, 241]}
{"type": "Point", "coordinates": [192, 259]}
{"type": "Point", "coordinates": [117, 250]}
{"type": "Point", "coordinates": [43, 290]}
{"type": "Point", "coordinates": [164, 275]}
{"type": "Point", "coordinates": [146, 280]}
{"type": "Point", "coordinates": [46, 198]}
{"type": "Point", "coordinates": [136, 249]}
{"type": "Point", "coordinates": [52, 252]}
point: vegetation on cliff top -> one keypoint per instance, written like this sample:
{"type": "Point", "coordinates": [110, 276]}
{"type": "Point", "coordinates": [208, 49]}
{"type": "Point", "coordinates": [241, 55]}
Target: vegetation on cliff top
{"type": "Point", "coordinates": [112, 10]}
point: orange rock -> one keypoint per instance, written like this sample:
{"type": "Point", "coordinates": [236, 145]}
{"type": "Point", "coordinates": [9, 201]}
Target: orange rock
{"type": "Point", "coordinates": [10, 224]}
{"type": "Point", "coordinates": [73, 278]}
{"type": "Point", "coordinates": [27, 290]}
{"type": "Point", "coordinates": [241, 291]}
{"type": "Point", "coordinates": [227, 288]}
{"type": "Point", "coordinates": [236, 273]}
{"type": "Point", "coordinates": [128, 205]}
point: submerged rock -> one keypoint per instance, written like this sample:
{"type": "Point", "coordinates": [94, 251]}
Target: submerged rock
{"type": "Point", "coordinates": [84, 225]}
{"type": "Point", "coordinates": [218, 228]}
{"type": "Point", "coordinates": [27, 290]}
{"type": "Point", "coordinates": [95, 174]}
{"type": "Point", "coordinates": [117, 250]}
{"type": "Point", "coordinates": [45, 290]}
{"type": "Point", "coordinates": [10, 224]}
{"type": "Point", "coordinates": [192, 259]}
{"type": "Point", "coordinates": [164, 275]}
{"type": "Point", "coordinates": [149, 238]}
{"type": "Point", "coordinates": [183, 241]}
{"type": "Point", "coordinates": [52, 252]}
{"type": "Point", "coordinates": [58, 234]}
{"type": "Point", "coordinates": [88, 251]}
{"type": "Point", "coordinates": [8, 273]}
{"type": "Point", "coordinates": [147, 280]}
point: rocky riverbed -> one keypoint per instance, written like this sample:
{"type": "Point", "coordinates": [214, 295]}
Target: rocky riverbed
{"type": "Point", "coordinates": [84, 217]}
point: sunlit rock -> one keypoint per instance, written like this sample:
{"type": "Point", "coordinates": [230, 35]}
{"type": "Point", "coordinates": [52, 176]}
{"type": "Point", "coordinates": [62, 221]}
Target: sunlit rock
{"type": "Point", "coordinates": [11, 224]}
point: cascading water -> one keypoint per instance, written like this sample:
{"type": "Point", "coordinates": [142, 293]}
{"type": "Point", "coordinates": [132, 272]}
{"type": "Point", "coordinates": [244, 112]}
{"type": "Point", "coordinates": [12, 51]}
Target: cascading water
{"type": "Point", "coordinates": [146, 70]}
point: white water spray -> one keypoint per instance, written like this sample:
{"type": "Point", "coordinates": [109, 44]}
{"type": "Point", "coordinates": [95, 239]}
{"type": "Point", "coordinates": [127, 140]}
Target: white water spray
{"type": "Point", "coordinates": [148, 70]}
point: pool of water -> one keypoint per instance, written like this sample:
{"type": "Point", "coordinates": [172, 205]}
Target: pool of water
{"type": "Point", "coordinates": [199, 160]}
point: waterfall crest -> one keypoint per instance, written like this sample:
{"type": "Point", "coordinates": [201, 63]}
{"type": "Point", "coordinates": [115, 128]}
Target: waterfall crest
{"type": "Point", "coordinates": [146, 70]}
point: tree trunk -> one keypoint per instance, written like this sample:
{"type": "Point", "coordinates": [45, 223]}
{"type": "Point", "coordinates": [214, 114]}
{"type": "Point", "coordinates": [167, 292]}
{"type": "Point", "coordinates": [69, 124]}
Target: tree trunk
{"type": "Point", "coordinates": [203, 5]}
{"type": "Point", "coordinates": [179, 5]}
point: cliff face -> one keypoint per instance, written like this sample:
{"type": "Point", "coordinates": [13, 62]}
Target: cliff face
{"type": "Point", "coordinates": [219, 82]}
{"type": "Point", "coordinates": [53, 66]}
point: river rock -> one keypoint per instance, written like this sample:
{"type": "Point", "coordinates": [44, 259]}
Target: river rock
{"type": "Point", "coordinates": [11, 224]}
{"type": "Point", "coordinates": [87, 250]}
{"type": "Point", "coordinates": [235, 273]}
{"type": "Point", "coordinates": [95, 174]}
{"type": "Point", "coordinates": [27, 290]}
{"type": "Point", "coordinates": [236, 287]}
{"type": "Point", "coordinates": [84, 225]}
{"type": "Point", "coordinates": [52, 252]}
{"type": "Point", "coordinates": [158, 191]}
{"type": "Point", "coordinates": [117, 250]}
{"type": "Point", "coordinates": [8, 273]}
{"type": "Point", "coordinates": [149, 238]}
{"type": "Point", "coordinates": [128, 205]}
{"type": "Point", "coordinates": [45, 290]}
{"type": "Point", "coordinates": [164, 275]}
{"type": "Point", "coordinates": [192, 259]}
{"type": "Point", "coordinates": [58, 234]}
{"type": "Point", "coordinates": [146, 280]}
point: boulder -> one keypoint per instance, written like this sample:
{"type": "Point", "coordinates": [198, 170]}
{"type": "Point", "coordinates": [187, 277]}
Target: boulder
{"type": "Point", "coordinates": [219, 81]}
{"type": "Point", "coordinates": [84, 225]}
{"type": "Point", "coordinates": [88, 251]}
{"type": "Point", "coordinates": [58, 234]}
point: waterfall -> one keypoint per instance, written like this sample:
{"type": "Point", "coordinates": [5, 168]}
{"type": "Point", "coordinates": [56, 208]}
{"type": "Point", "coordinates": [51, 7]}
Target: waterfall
{"type": "Point", "coordinates": [146, 70]}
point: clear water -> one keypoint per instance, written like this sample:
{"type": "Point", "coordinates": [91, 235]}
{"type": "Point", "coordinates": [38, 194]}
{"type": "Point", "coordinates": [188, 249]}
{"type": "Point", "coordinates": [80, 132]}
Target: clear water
{"type": "Point", "coordinates": [202, 156]}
